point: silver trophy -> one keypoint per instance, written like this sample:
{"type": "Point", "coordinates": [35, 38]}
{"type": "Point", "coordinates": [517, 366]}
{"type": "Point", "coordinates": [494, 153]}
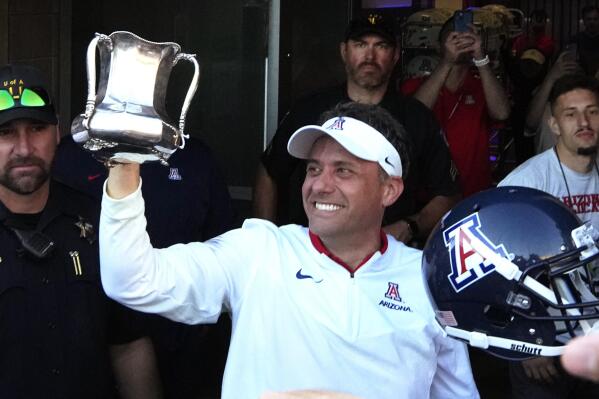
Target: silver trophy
{"type": "Point", "coordinates": [125, 119]}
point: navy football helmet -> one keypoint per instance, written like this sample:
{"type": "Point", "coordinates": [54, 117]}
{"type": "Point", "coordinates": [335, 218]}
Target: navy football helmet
{"type": "Point", "coordinates": [508, 270]}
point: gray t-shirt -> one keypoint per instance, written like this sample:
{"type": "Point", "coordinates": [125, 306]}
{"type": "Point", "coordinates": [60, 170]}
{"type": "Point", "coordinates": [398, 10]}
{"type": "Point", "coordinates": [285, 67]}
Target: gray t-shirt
{"type": "Point", "coordinates": [543, 173]}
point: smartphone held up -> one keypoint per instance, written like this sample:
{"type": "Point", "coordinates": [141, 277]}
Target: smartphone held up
{"type": "Point", "coordinates": [462, 20]}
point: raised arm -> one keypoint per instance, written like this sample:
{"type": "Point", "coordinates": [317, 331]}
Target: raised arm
{"type": "Point", "coordinates": [188, 283]}
{"type": "Point", "coordinates": [498, 104]}
{"type": "Point", "coordinates": [496, 98]}
{"type": "Point", "coordinates": [123, 179]}
{"type": "Point", "coordinates": [563, 65]}
{"type": "Point", "coordinates": [429, 91]}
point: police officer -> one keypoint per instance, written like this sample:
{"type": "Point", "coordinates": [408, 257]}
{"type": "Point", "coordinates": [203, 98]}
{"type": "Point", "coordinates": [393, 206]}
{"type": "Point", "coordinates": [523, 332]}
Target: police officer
{"type": "Point", "coordinates": [60, 336]}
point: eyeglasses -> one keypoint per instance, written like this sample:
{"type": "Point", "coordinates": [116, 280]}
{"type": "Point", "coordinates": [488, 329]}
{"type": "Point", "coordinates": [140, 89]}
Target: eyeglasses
{"type": "Point", "coordinates": [29, 98]}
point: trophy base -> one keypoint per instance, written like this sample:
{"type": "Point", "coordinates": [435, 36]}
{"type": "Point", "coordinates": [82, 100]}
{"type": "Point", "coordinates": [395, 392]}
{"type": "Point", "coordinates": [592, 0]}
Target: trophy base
{"type": "Point", "coordinates": [111, 152]}
{"type": "Point", "coordinates": [123, 153]}
{"type": "Point", "coordinates": [129, 157]}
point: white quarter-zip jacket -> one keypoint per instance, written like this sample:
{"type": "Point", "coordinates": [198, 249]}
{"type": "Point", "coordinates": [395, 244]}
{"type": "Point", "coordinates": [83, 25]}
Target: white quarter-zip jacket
{"type": "Point", "coordinates": [300, 320]}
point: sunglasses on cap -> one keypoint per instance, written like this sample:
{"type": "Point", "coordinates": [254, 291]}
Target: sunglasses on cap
{"type": "Point", "coordinates": [29, 98]}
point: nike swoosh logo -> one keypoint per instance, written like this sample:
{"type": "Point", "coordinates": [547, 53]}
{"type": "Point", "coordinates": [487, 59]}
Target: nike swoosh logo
{"type": "Point", "coordinates": [93, 177]}
{"type": "Point", "coordinates": [389, 163]}
{"type": "Point", "coordinates": [301, 276]}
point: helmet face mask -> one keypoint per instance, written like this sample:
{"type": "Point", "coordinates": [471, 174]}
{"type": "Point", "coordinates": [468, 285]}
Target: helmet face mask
{"type": "Point", "coordinates": [504, 273]}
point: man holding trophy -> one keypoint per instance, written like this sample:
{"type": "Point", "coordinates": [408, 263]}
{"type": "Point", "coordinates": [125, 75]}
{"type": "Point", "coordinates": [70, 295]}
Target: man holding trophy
{"type": "Point", "coordinates": [310, 308]}
{"type": "Point", "coordinates": [339, 306]}
{"type": "Point", "coordinates": [190, 358]}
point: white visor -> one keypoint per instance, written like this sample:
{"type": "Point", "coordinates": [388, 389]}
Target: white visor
{"type": "Point", "coordinates": [357, 137]}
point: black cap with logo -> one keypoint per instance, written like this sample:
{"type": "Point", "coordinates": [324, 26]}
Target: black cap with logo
{"type": "Point", "coordinates": [24, 94]}
{"type": "Point", "coordinates": [371, 24]}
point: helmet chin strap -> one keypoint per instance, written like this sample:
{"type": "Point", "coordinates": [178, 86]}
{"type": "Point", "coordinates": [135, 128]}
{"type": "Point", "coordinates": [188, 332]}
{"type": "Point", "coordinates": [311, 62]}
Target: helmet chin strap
{"type": "Point", "coordinates": [484, 341]}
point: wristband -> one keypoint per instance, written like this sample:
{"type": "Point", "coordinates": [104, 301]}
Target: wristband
{"type": "Point", "coordinates": [482, 61]}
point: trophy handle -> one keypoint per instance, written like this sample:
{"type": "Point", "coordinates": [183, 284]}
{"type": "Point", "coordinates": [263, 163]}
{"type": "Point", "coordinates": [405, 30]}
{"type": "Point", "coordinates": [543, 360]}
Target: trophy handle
{"type": "Point", "coordinates": [90, 104]}
{"type": "Point", "coordinates": [190, 93]}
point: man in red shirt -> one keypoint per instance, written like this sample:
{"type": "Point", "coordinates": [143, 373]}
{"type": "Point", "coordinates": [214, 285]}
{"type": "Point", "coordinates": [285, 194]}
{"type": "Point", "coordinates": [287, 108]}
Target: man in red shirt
{"type": "Point", "coordinates": [465, 102]}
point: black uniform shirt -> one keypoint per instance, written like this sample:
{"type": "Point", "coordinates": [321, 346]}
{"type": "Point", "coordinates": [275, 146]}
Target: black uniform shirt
{"type": "Point", "coordinates": [55, 320]}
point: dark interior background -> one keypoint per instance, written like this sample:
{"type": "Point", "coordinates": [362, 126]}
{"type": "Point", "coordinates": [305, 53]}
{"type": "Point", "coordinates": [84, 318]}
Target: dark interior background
{"type": "Point", "coordinates": [230, 38]}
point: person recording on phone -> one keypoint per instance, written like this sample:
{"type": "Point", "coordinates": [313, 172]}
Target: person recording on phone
{"type": "Point", "coordinates": [464, 101]}
{"type": "Point", "coordinates": [539, 112]}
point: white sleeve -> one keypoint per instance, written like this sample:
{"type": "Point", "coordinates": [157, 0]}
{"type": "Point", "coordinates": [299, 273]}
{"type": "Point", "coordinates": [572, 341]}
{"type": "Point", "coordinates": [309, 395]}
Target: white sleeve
{"type": "Point", "coordinates": [187, 283]}
{"type": "Point", "coordinates": [453, 377]}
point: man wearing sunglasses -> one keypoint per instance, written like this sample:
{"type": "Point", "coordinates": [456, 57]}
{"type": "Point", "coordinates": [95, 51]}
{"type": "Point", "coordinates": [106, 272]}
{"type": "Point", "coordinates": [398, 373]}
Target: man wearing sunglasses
{"type": "Point", "coordinates": [59, 333]}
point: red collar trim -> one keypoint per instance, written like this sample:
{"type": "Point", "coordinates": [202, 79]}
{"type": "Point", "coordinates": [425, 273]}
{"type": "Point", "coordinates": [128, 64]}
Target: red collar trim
{"type": "Point", "coordinates": [320, 247]}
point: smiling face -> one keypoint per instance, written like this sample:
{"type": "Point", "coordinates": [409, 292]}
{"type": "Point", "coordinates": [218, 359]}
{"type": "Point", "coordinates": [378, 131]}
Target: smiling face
{"type": "Point", "coordinates": [345, 196]}
{"type": "Point", "coordinates": [576, 122]}
{"type": "Point", "coordinates": [27, 149]}
{"type": "Point", "coordinates": [369, 60]}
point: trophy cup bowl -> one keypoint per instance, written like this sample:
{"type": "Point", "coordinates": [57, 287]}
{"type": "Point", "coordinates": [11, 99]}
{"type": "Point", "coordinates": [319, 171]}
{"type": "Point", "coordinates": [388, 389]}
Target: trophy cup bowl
{"type": "Point", "coordinates": [125, 119]}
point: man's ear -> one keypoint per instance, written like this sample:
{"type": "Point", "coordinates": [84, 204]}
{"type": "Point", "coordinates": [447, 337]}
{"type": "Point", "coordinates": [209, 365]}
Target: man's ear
{"type": "Point", "coordinates": [554, 126]}
{"type": "Point", "coordinates": [393, 187]}
{"type": "Point", "coordinates": [343, 50]}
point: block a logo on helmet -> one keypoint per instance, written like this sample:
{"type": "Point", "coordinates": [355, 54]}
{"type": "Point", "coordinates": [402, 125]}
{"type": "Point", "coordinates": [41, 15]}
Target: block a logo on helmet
{"type": "Point", "coordinates": [511, 271]}
{"type": "Point", "coordinates": [467, 264]}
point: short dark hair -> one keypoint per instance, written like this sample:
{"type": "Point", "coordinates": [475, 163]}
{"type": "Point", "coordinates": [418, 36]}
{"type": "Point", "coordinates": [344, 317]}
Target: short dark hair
{"type": "Point", "coordinates": [381, 120]}
{"type": "Point", "coordinates": [446, 29]}
{"type": "Point", "coordinates": [570, 82]}
{"type": "Point", "coordinates": [587, 10]}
